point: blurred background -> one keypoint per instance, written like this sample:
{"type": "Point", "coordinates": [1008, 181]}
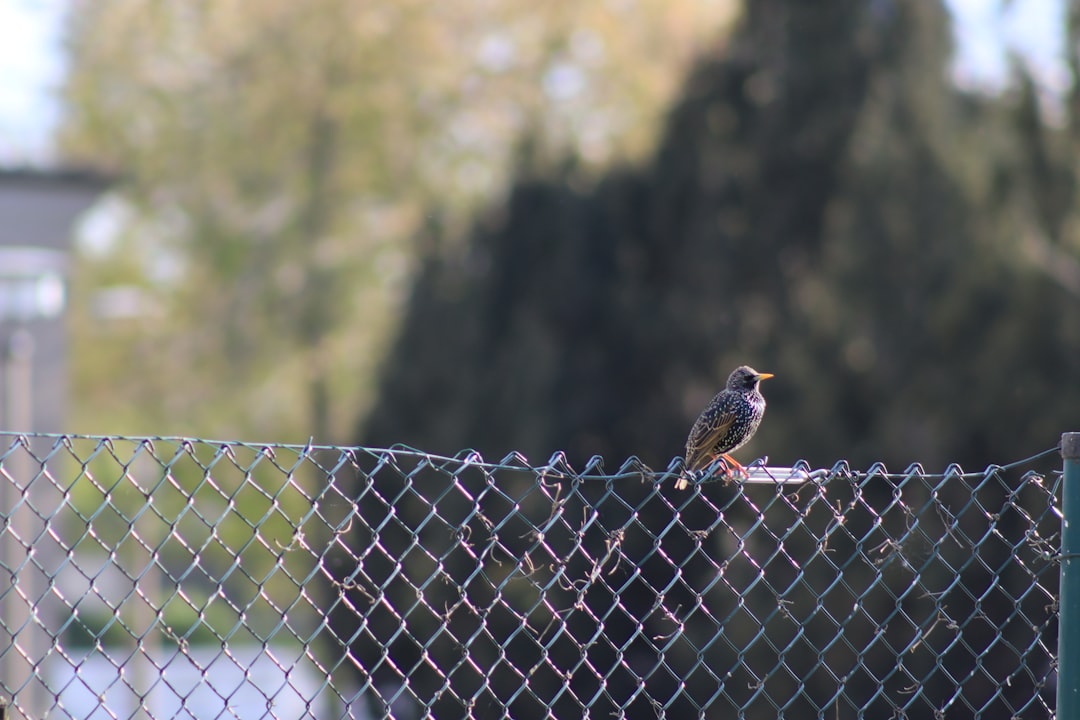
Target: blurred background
{"type": "Point", "coordinates": [509, 227]}
{"type": "Point", "coordinates": [514, 226]}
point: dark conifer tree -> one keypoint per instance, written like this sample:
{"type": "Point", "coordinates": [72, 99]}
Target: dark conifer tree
{"type": "Point", "coordinates": [823, 205]}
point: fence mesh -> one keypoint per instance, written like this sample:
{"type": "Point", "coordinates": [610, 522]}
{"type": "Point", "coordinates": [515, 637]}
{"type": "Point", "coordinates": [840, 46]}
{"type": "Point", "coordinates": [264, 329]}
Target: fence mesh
{"type": "Point", "coordinates": [176, 578]}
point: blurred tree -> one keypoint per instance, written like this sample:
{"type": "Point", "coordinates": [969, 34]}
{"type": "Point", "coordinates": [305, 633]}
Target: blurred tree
{"type": "Point", "coordinates": [280, 157]}
{"type": "Point", "coordinates": [823, 204]}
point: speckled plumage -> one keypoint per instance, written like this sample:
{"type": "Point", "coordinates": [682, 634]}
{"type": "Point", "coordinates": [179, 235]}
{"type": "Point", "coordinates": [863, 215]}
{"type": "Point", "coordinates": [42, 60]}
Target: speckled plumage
{"type": "Point", "coordinates": [726, 424]}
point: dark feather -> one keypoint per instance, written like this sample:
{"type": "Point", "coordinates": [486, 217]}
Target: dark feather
{"type": "Point", "coordinates": [705, 437]}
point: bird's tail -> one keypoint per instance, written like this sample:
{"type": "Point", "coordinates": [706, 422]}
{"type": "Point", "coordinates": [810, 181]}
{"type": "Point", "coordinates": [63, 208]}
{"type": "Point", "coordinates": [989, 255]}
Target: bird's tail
{"type": "Point", "coordinates": [687, 478]}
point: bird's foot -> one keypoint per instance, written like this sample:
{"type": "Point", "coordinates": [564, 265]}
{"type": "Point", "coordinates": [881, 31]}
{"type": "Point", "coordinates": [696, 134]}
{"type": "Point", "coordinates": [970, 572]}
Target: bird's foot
{"type": "Point", "coordinates": [727, 467]}
{"type": "Point", "coordinates": [732, 468]}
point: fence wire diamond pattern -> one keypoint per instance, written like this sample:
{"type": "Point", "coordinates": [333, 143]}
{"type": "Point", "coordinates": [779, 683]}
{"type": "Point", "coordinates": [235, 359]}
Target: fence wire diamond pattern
{"type": "Point", "coordinates": [178, 578]}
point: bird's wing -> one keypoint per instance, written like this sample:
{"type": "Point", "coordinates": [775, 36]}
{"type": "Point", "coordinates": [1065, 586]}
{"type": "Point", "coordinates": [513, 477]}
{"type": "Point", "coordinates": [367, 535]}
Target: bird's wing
{"type": "Point", "coordinates": [707, 431]}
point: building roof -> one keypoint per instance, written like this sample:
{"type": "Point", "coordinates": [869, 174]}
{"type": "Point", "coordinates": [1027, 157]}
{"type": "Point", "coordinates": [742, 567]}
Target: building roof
{"type": "Point", "coordinates": [25, 175]}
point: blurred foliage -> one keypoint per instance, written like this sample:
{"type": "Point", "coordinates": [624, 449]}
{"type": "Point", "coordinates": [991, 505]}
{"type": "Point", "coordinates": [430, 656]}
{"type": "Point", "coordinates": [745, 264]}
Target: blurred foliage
{"type": "Point", "coordinates": [280, 158]}
{"type": "Point", "coordinates": [822, 204]}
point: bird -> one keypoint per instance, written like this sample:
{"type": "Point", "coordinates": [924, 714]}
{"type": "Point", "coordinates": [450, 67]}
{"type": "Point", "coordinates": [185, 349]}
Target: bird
{"type": "Point", "coordinates": [726, 424]}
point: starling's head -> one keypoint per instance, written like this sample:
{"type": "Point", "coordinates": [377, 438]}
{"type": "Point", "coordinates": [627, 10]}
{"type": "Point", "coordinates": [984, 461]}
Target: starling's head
{"type": "Point", "coordinates": [745, 378]}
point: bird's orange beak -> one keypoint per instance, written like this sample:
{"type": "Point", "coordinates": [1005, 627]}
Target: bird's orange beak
{"type": "Point", "coordinates": [764, 376]}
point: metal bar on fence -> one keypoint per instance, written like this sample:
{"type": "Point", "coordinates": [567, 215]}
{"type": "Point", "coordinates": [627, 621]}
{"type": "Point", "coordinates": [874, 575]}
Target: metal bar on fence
{"type": "Point", "coordinates": [1068, 676]}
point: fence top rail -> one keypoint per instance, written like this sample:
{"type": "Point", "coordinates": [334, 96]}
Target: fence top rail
{"type": "Point", "coordinates": [557, 465]}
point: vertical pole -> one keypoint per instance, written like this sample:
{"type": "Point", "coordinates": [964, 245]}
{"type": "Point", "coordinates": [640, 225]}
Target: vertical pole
{"type": "Point", "coordinates": [22, 645]}
{"type": "Point", "coordinates": [1068, 670]}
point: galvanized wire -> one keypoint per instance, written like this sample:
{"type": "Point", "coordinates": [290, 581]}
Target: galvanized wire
{"type": "Point", "coordinates": [186, 578]}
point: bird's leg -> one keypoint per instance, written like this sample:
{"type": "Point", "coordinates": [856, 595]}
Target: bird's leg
{"type": "Point", "coordinates": [733, 466]}
{"type": "Point", "coordinates": [727, 466]}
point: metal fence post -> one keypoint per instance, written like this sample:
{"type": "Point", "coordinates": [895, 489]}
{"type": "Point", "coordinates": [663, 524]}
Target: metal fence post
{"type": "Point", "coordinates": [1068, 670]}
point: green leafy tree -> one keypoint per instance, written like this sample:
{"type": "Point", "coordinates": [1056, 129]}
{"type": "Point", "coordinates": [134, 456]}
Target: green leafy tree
{"type": "Point", "coordinates": [279, 159]}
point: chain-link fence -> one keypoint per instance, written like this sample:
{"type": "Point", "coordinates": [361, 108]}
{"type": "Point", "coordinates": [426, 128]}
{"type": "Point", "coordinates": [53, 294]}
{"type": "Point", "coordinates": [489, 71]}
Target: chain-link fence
{"type": "Point", "coordinates": [174, 578]}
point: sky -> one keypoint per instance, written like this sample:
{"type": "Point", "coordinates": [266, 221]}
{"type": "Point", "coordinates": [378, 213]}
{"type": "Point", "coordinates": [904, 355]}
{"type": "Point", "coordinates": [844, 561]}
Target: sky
{"type": "Point", "coordinates": [32, 61]}
{"type": "Point", "coordinates": [31, 69]}
{"type": "Point", "coordinates": [986, 29]}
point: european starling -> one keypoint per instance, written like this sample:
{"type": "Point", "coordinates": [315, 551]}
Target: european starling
{"type": "Point", "coordinates": [726, 424]}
